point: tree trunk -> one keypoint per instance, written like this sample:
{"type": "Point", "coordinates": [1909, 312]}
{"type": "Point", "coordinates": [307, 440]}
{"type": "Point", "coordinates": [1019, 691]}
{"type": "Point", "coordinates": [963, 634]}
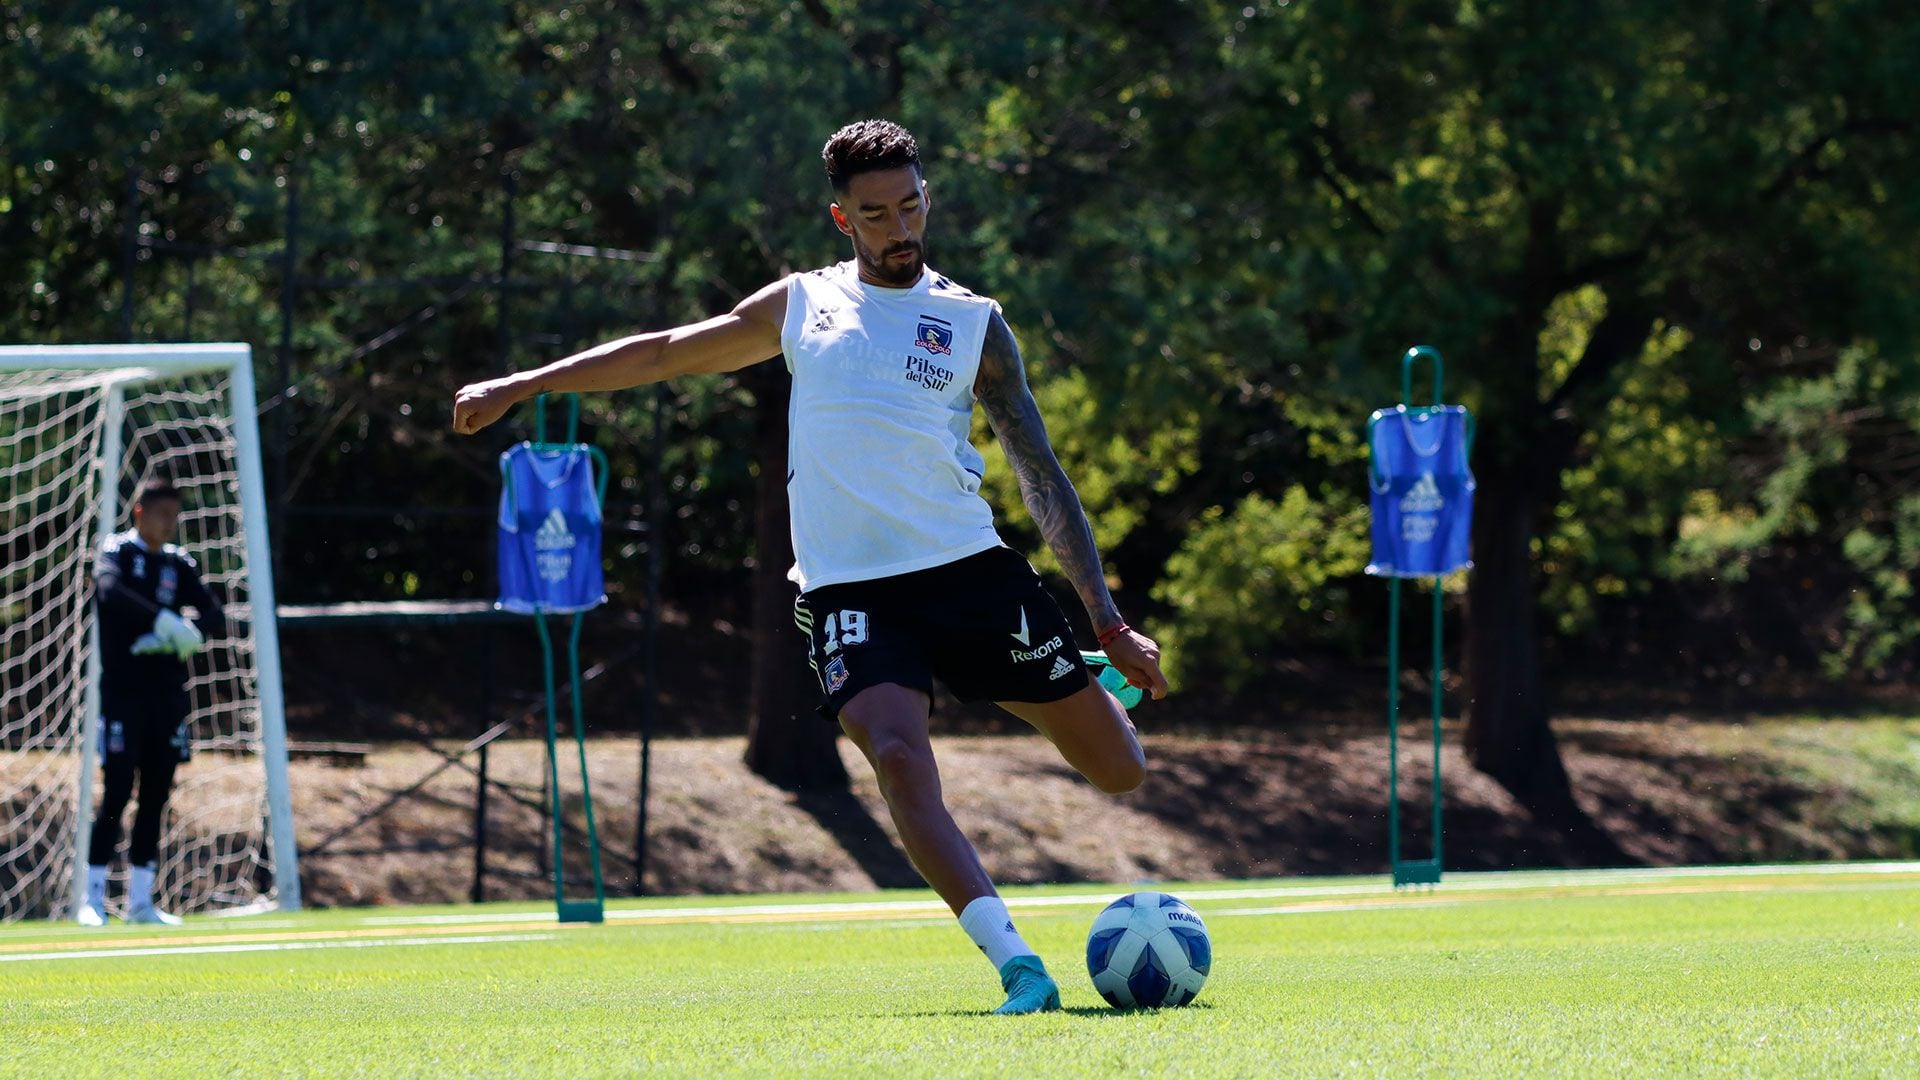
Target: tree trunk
{"type": "Point", "coordinates": [787, 742]}
{"type": "Point", "coordinates": [1507, 735]}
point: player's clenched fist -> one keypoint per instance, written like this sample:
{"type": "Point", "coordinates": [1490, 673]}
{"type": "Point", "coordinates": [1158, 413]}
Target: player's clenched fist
{"type": "Point", "coordinates": [1137, 656]}
{"type": "Point", "coordinates": [478, 404]}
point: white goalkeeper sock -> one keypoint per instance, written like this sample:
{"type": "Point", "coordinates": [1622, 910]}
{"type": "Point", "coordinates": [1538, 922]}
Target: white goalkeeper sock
{"type": "Point", "coordinates": [140, 889]}
{"type": "Point", "coordinates": [97, 888]}
{"type": "Point", "coordinates": [986, 921]}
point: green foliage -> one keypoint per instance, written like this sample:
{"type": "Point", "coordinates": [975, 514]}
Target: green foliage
{"type": "Point", "coordinates": [1635, 470]}
{"type": "Point", "coordinates": [1838, 469]}
{"type": "Point", "coordinates": [1122, 466]}
{"type": "Point", "coordinates": [1666, 251]}
{"type": "Point", "coordinates": [1268, 572]}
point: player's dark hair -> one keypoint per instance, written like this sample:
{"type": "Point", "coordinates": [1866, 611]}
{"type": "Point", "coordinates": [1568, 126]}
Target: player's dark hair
{"type": "Point", "coordinates": [868, 146]}
{"type": "Point", "coordinates": [157, 488]}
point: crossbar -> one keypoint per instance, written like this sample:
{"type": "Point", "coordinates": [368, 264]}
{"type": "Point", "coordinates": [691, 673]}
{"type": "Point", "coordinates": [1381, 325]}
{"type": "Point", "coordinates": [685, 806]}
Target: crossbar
{"type": "Point", "coordinates": [180, 359]}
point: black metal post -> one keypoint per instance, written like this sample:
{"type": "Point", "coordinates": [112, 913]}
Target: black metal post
{"type": "Point", "coordinates": [192, 260]}
{"type": "Point", "coordinates": [650, 698]}
{"type": "Point", "coordinates": [480, 831]}
{"type": "Point", "coordinates": [289, 291]}
{"type": "Point", "coordinates": [480, 793]}
{"type": "Point", "coordinates": [129, 251]}
{"type": "Point", "coordinates": [508, 189]}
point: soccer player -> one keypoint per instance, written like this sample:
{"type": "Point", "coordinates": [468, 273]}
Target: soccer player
{"type": "Point", "coordinates": [141, 580]}
{"type": "Point", "coordinates": [902, 576]}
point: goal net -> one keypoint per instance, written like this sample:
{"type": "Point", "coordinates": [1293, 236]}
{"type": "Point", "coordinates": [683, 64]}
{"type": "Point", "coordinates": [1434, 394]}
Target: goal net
{"type": "Point", "coordinates": [80, 428]}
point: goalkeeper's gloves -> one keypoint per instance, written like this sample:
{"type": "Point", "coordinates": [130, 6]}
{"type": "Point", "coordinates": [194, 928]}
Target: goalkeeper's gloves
{"type": "Point", "coordinates": [177, 634]}
{"type": "Point", "coordinates": [149, 644]}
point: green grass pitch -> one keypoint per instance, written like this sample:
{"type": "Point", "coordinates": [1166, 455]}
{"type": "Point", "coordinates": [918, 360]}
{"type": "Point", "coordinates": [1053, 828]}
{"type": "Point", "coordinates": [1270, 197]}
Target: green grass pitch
{"type": "Point", "coordinates": [1777, 971]}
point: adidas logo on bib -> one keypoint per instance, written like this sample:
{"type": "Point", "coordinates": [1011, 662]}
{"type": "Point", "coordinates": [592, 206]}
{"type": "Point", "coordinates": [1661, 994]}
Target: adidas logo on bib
{"type": "Point", "coordinates": [1061, 668]}
{"type": "Point", "coordinates": [553, 543]}
{"type": "Point", "coordinates": [1424, 498]}
{"type": "Point", "coordinates": [553, 534]}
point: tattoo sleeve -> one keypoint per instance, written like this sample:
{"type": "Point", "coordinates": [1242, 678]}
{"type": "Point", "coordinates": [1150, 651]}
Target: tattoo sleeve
{"type": "Point", "coordinates": [1001, 388]}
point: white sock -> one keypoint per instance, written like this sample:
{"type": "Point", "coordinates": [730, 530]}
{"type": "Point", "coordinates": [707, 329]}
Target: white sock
{"type": "Point", "coordinates": [986, 921]}
{"type": "Point", "coordinates": [97, 887]}
{"type": "Point", "coordinates": [140, 889]}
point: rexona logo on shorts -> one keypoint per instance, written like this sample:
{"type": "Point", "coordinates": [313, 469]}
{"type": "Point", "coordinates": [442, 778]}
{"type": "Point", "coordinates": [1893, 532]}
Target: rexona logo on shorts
{"type": "Point", "coordinates": [1045, 650]}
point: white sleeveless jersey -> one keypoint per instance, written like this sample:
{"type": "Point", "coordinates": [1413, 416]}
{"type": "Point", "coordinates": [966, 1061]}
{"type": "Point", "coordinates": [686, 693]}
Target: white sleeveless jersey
{"type": "Point", "coordinates": [884, 480]}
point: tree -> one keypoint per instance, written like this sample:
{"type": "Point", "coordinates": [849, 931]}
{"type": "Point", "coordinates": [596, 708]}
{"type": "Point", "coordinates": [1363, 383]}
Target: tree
{"type": "Point", "coordinates": [1600, 169]}
{"type": "Point", "coordinates": [1666, 252]}
{"type": "Point", "coordinates": [1363, 178]}
{"type": "Point", "coordinates": [787, 743]}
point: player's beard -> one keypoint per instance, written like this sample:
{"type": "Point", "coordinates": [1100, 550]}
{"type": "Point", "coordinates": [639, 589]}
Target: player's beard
{"type": "Point", "coordinates": [891, 272]}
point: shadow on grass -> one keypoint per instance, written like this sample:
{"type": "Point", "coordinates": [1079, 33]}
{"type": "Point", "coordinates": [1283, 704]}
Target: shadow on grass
{"type": "Point", "coordinates": [846, 819]}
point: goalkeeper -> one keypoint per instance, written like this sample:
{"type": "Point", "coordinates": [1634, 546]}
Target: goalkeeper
{"type": "Point", "coordinates": [141, 583]}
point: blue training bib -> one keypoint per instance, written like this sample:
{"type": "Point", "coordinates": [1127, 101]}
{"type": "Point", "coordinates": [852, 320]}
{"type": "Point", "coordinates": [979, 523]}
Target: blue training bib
{"type": "Point", "coordinates": [549, 539]}
{"type": "Point", "coordinates": [1422, 491]}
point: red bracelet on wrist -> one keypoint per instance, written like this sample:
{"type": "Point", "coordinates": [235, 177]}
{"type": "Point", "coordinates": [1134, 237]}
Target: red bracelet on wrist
{"type": "Point", "coordinates": [1113, 633]}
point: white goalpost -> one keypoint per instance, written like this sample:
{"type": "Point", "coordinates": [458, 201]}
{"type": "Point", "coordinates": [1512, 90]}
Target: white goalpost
{"type": "Point", "coordinates": [80, 428]}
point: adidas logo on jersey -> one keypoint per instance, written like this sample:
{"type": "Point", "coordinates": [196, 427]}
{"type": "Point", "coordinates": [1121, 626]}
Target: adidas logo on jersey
{"type": "Point", "coordinates": [553, 534]}
{"type": "Point", "coordinates": [1424, 498]}
{"type": "Point", "coordinates": [1062, 667]}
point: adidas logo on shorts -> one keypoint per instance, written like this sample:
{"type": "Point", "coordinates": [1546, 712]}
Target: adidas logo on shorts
{"type": "Point", "coordinates": [1061, 667]}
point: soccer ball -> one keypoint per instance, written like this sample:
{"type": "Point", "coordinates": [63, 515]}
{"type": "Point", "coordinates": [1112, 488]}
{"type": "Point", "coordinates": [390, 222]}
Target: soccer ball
{"type": "Point", "coordinates": [1148, 950]}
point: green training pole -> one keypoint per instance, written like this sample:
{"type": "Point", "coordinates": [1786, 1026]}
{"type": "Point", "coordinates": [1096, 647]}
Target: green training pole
{"type": "Point", "coordinates": [1439, 595]}
{"type": "Point", "coordinates": [553, 763]}
{"type": "Point", "coordinates": [586, 785]}
{"type": "Point", "coordinates": [569, 911]}
{"type": "Point", "coordinates": [1413, 871]}
{"type": "Point", "coordinates": [1393, 727]}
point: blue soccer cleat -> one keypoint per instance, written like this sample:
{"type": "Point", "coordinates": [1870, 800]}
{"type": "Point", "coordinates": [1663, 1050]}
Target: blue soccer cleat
{"type": "Point", "coordinates": [1029, 988]}
{"type": "Point", "coordinates": [1109, 676]}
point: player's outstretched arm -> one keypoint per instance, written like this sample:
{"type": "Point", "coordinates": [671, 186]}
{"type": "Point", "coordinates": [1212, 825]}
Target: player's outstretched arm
{"type": "Point", "coordinates": [746, 335]}
{"type": "Point", "coordinates": [1002, 390]}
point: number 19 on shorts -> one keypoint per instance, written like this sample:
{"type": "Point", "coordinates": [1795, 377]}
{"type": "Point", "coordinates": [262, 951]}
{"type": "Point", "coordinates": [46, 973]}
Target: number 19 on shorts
{"type": "Point", "coordinates": [843, 628]}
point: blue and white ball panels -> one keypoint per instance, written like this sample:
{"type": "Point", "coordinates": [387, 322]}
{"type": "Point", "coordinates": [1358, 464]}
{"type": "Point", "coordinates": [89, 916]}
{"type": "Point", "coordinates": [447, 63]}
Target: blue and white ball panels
{"type": "Point", "coordinates": [1148, 950]}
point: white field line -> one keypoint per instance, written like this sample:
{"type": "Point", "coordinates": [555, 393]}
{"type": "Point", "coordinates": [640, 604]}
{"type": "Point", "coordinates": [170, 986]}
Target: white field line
{"type": "Point", "coordinates": [1322, 909]}
{"type": "Point", "coordinates": [1293, 899]}
{"type": "Point", "coordinates": [1506, 881]}
{"type": "Point", "coordinates": [269, 946]}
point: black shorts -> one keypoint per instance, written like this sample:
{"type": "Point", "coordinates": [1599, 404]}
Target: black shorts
{"type": "Point", "coordinates": [984, 626]}
{"type": "Point", "coordinates": [144, 728]}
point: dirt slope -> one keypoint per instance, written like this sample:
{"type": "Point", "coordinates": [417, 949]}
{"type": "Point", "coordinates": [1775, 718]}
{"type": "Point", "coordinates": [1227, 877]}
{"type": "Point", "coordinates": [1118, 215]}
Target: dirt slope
{"type": "Point", "coordinates": [1211, 808]}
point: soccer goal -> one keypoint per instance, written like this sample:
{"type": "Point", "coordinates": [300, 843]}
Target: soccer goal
{"type": "Point", "coordinates": [80, 428]}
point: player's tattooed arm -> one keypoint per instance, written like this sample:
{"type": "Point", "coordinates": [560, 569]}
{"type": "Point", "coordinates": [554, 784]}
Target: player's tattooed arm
{"type": "Point", "coordinates": [1001, 388]}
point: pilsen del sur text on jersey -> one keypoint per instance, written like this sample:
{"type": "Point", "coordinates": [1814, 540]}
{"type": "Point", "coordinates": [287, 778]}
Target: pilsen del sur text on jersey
{"type": "Point", "coordinates": [928, 374]}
